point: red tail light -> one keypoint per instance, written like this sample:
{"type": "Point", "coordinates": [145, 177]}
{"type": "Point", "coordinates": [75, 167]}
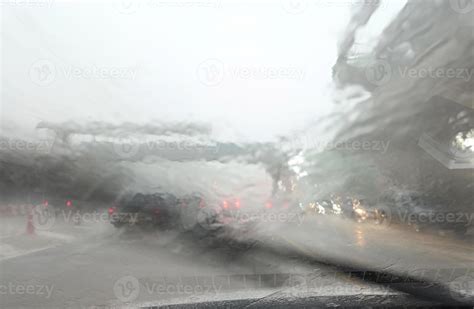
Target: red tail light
{"type": "Point", "coordinates": [268, 205]}
{"type": "Point", "coordinates": [68, 203]}
{"type": "Point", "coordinates": [237, 204]}
{"type": "Point", "coordinates": [111, 210]}
{"type": "Point", "coordinates": [225, 205]}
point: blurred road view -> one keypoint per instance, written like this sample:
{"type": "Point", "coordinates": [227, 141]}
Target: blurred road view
{"type": "Point", "coordinates": [76, 264]}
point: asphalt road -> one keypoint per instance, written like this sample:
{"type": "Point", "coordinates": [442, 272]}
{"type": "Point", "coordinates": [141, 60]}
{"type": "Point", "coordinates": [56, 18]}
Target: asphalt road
{"type": "Point", "coordinates": [100, 267]}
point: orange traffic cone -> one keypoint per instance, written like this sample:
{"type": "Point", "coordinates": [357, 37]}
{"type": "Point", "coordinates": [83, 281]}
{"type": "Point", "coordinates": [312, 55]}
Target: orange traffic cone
{"type": "Point", "coordinates": [30, 227]}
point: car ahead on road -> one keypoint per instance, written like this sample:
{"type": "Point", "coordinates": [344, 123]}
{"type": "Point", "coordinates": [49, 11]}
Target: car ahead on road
{"type": "Point", "coordinates": [364, 211]}
{"type": "Point", "coordinates": [163, 210]}
{"type": "Point", "coordinates": [213, 225]}
{"type": "Point", "coordinates": [357, 209]}
{"type": "Point", "coordinates": [147, 211]}
{"type": "Point", "coordinates": [324, 207]}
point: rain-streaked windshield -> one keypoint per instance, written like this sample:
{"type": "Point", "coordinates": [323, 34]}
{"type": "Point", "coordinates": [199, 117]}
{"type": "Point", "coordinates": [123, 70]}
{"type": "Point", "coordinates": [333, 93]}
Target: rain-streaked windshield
{"type": "Point", "coordinates": [236, 153]}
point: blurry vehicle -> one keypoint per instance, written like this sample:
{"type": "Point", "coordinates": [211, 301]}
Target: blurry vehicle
{"type": "Point", "coordinates": [335, 206]}
{"type": "Point", "coordinates": [190, 214]}
{"type": "Point", "coordinates": [364, 211]}
{"type": "Point", "coordinates": [147, 211]}
{"type": "Point", "coordinates": [361, 213]}
{"type": "Point", "coordinates": [317, 208]}
{"type": "Point", "coordinates": [215, 225]}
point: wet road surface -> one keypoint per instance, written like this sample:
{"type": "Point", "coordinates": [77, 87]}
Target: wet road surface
{"type": "Point", "coordinates": [100, 267]}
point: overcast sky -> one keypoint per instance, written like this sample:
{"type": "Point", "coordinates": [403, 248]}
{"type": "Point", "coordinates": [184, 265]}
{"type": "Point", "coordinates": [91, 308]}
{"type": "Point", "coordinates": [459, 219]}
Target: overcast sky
{"type": "Point", "coordinates": [253, 69]}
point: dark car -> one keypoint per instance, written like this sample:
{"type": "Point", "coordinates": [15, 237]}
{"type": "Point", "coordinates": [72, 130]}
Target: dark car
{"type": "Point", "coordinates": [159, 210]}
